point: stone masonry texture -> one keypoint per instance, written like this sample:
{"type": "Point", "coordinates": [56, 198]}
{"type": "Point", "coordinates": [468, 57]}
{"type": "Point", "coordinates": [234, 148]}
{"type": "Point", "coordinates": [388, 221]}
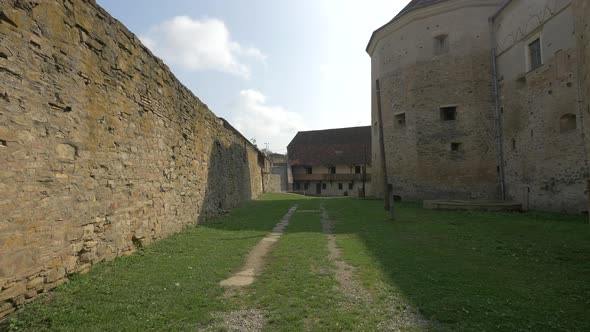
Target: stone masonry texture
{"type": "Point", "coordinates": [102, 149]}
{"type": "Point", "coordinates": [546, 167]}
{"type": "Point", "coordinates": [582, 12]}
{"type": "Point", "coordinates": [532, 130]}
{"type": "Point", "coordinates": [416, 80]}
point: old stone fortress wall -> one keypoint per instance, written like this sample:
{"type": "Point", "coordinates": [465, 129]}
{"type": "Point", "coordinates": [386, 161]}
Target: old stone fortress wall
{"type": "Point", "coordinates": [467, 114]}
{"type": "Point", "coordinates": [102, 149]}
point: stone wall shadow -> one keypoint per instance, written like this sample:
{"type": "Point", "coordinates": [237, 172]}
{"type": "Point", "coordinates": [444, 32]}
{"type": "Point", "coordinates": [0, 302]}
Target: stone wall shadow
{"type": "Point", "coordinates": [229, 183]}
{"type": "Point", "coordinates": [461, 269]}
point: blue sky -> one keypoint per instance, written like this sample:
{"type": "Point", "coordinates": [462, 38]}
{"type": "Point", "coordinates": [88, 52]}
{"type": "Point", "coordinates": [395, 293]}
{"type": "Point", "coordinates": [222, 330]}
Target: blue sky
{"type": "Point", "coordinates": [271, 68]}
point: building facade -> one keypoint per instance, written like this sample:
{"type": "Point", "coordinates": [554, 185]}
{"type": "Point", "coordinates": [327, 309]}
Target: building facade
{"type": "Point", "coordinates": [479, 100]}
{"type": "Point", "coordinates": [334, 162]}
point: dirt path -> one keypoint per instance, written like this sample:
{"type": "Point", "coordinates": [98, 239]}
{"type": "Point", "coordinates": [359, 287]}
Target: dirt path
{"type": "Point", "coordinates": [255, 260]}
{"type": "Point", "coordinates": [395, 314]}
{"type": "Point", "coordinates": [349, 286]}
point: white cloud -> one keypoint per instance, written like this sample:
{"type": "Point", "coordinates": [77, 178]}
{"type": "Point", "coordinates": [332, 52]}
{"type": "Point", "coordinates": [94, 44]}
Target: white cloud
{"type": "Point", "coordinates": [254, 118]}
{"type": "Point", "coordinates": [200, 45]}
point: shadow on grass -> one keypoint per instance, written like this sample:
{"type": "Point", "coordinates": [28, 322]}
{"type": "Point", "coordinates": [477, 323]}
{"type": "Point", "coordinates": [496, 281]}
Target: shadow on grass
{"type": "Point", "coordinates": [475, 270]}
{"type": "Point", "coordinates": [462, 270]}
{"type": "Point", "coordinates": [469, 270]}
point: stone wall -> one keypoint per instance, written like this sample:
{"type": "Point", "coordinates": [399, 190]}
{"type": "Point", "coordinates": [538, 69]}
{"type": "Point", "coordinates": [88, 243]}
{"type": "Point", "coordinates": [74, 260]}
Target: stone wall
{"type": "Point", "coordinates": [582, 13]}
{"type": "Point", "coordinates": [278, 179]}
{"type": "Point", "coordinates": [545, 165]}
{"type": "Point", "coordinates": [416, 80]}
{"type": "Point", "coordinates": [102, 148]}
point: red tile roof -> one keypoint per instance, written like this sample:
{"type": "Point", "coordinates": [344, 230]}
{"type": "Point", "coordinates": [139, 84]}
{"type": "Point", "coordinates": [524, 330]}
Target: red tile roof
{"type": "Point", "coordinates": [331, 147]}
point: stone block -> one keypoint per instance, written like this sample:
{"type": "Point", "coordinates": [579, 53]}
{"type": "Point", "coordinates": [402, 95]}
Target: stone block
{"type": "Point", "coordinates": [66, 152]}
{"type": "Point", "coordinates": [35, 282]}
{"type": "Point", "coordinates": [13, 291]}
{"type": "Point", "coordinates": [55, 274]}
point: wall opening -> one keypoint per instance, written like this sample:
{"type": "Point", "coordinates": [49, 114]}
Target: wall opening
{"type": "Point", "coordinates": [448, 113]}
{"type": "Point", "coordinates": [456, 147]}
{"type": "Point", "coordinates": [400, 120]}
{"type": "Point", "coordinates": [340, 186]}
{"type": "Point", "coordinates": [332, 170]}
{"type": "Point", "coordinates": [567, 123]}
{"type": "Point", "coordinates": [535, 56]}
{"type": "Point", "coordinates": [306, 186]}
{"type": "Point", "coordinates": [308, 170]}
{"type": "Point", "coordinates": [323, 186]}
{"type": "Point", "coordinates": [350, 186]}
{"type": "Point", "coordinates": [441, 44]}
{"type": "Point", "coordinates": [3, 143]}
{"type": "Point", "coordinates": [357, 170]}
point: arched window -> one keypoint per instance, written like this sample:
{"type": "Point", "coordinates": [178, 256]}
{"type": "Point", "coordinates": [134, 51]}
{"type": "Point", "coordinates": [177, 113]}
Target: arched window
{"type": "Point", "coordinates": [567, 123]}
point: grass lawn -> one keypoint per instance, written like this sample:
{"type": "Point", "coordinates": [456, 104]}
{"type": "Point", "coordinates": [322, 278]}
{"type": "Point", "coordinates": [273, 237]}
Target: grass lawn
{"type": "Point", "coordinates": [456, 270]}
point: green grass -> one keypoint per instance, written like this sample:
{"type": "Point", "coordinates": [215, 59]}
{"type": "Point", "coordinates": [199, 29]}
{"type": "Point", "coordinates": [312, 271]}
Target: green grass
{"type": "Point", "coordinates": [140, 292]}
{"type": "Point", "coordinates": [460, 270]}
{"type": "Point", "coordinates": [298, 289]}
{"type": "Point", "coordinates": [473, 270]}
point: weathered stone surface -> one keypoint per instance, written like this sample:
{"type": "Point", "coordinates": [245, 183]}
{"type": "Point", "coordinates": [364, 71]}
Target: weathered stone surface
{"type": "Point", "coordinates": [99, 145]}
{"type": "Point", "coordinates": [545, 167]}
{"type": "Point", "coordinates": [518, 148]}
{"type": "Point", "coordinates": [416, 80]}
{"type": "Point", "coordinates": [582, 13]}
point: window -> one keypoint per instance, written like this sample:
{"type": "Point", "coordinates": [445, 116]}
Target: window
{"type": "Point", "coordinates": [308, 170]}
{"type": "Point", "coordinates": [340, 186]}
{"type": "Point", "coordinates": [296, 185]}
{"type": "Point", "coordinates": [567, 123]}
{"type": "Point", "coordinates": [535, 56]}
{"type": "Point", "coordinates": [441, 44]}
{"type": "Point", "coordinates": [350, 186]}
{"type": "Point", "coordinates": [332, 170]}
{"type": "Point", "coordinates": [448, 113]}
{"type": "Point", "coordinates": [357, 169]}
{"type": "Point", "coordinates": [323, 186]}
{"type": "Point", "coordinates": [400, 120]}
{"type": "Point", "coordinates": [305, 186]}
{"type": "Point", "coordinates": [455, 147]}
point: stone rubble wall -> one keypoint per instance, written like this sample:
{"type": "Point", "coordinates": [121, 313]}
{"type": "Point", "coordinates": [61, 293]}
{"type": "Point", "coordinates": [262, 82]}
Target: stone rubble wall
{"type": "Point", "coordinates": [582, 15]}
{"type": "Point", "coordinates": [102, 149]}
{"type": "Point", "coordinates": [415, 82]}
{"type": "Point", "coordinates": [278, 179]}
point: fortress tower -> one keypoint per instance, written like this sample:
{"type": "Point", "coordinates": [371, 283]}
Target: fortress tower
{"type": "Point", "coordinates": [432, 77]}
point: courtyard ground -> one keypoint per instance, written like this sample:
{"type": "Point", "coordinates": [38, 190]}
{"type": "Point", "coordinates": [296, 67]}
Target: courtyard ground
{"type": "Point", "coordinates": [340, 265]}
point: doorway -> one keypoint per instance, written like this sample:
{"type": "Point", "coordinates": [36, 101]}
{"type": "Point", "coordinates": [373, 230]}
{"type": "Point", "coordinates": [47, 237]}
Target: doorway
{"type": "Point", "coordinates": [318, 188]}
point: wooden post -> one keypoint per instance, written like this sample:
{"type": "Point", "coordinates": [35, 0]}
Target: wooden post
{"type": "Point", "coordinates": [386, 198]}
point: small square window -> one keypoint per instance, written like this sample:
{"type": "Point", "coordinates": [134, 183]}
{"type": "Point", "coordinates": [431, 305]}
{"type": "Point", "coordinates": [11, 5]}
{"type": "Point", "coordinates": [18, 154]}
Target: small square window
{"type": "Point", "coordinates": [455, 147]}
{"type": "Point", "coordinates": [568, 123]}
{"type": "Point", "coordinates": [357, 169]}
{"type": "Point", "coordinates": [332, 170]}
{"type": "Point", "coordinates": [448, 113]}
{"type": "Point", "coordinates": [308, 170]}
{"type": "Point", "coordinates": [340, 186]}
{"type": "Point", "coordinates": [535, 55]}
{"type": "Point", "coordinates": [441, 44]}
{"type": "Point", "coordinates": [400, 120]}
